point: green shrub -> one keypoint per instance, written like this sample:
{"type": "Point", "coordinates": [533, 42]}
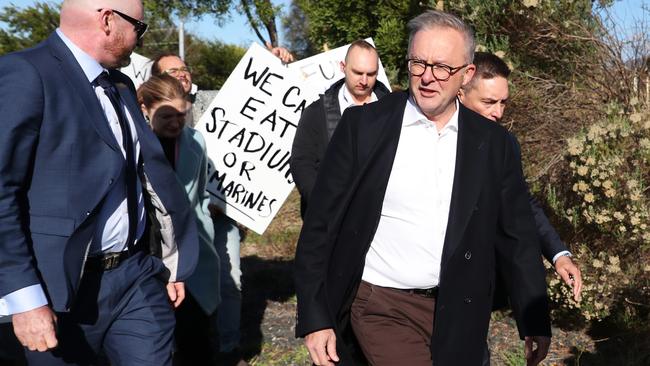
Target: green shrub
{"type": "Point", "coordinates": [605, 197]}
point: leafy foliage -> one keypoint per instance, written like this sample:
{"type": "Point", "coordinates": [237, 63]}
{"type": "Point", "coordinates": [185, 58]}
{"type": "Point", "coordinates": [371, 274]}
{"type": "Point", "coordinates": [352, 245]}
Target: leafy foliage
{"type": "Point", "coordinates": [28, 26]}
{"type": "Point", "coordinates": [212, 62]}
{"type": "Point", "coordinates": [335, 23]}
{"type": "Point", "coordinates": [296, 28]}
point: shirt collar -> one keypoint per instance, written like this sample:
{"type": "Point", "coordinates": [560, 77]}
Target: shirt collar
{"type": "Point", "coordinates": [413, 116]}
{"type": "Point", "coordinates": [89, 65]}
{"type": "Point", "coordinates": [346, 100]}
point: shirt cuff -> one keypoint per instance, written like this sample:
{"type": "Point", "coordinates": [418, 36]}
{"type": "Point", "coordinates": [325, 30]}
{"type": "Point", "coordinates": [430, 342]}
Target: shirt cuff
{"type": "Point", "coordinates": [25, 299]}
{"type": "Point", "coordinates": [561, 254]}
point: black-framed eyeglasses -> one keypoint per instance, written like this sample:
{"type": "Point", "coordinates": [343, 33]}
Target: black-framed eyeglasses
{"type": "Point", "coordinates": [441, 72]}
{"type": "Point", "coordinates": [139, 27]}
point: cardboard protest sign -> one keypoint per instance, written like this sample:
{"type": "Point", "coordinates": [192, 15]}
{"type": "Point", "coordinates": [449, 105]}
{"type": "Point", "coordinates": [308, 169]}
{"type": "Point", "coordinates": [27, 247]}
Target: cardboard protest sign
{"type": "Point", "coordinates": [249, 129]}
{"type": "Point", "coordinates": [138, 70]}
{"type": "Point", "coordinates": [320, 71]}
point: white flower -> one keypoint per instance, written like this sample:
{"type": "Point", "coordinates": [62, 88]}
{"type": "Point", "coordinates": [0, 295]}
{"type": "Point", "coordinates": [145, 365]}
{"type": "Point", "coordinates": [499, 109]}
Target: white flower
{"type": "Point", "coordinates": [530, 3]}
{"type": "Point", "coordinates": [583, 170]}
{"type": "Point", "coordinates": [574, 146]}
{"type": "Point", "coordinates": [597, 263]}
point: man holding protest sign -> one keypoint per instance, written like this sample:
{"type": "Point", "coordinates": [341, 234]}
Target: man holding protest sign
{"type": "Point", "coordinates": [416, 200]}
{"type": "Point", "coordinates": [96, 234]}
{"type": "Point", "coordinates": [317, 123]}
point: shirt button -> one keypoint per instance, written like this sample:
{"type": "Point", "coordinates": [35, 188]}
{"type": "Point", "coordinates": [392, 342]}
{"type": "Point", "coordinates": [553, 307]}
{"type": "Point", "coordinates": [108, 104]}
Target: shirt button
{"type": "Point", "coordinates": [87, 213]}
{"type": "Point", "coordinates": [468, 255]}
{"type": "Point", "coordinates": [110, 182]}
{"type": "Point", "coordinates": [468, 300]}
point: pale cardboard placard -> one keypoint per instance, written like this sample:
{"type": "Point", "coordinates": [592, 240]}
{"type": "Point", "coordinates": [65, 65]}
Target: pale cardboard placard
{"type": "Point", "coordinates": [249, 129]}
{"type": "Point", "coordinates": [320, 71]}
{"type": "Point", "coordinates": [138, 70]}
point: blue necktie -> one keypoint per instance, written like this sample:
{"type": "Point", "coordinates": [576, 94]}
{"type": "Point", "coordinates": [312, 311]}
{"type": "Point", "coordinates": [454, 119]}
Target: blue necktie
{"type": "Point", "coordinates": [127, 141]}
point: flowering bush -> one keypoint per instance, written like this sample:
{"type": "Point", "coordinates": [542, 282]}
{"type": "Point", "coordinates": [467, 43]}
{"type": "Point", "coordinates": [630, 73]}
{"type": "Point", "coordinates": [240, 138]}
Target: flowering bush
{"type": "Point", "coordinates": [610, 165]}
{"type": "Point", "coordinates": [606, 198]}
{"type": "Point", "coordinates": [603, 280]}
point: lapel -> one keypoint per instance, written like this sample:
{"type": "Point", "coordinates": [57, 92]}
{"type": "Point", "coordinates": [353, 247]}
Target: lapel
{"type": "Point", "coordinates": [471, 156]}
{"type": "Point", "coordinates": [145, 136]}
{"type": "Point", "coordinates": [378, 139]}
{"type": "Point", "coordinates": [79, 85]}
{"type": "Point", "coordinates": [131, 103]}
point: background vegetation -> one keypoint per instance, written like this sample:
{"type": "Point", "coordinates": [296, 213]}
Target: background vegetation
{"type": "Point", "coordinates": [580, 106]}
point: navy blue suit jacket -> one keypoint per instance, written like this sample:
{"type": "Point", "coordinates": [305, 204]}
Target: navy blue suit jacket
{"type": "Point", "coordinates": [58, 160]}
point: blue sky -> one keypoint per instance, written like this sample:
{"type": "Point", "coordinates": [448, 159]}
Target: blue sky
{"type": "Point", "coordinates": [238, 32]}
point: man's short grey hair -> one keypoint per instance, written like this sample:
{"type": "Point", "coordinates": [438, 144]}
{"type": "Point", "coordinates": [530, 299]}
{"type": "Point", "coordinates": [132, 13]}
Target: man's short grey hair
{"type": "Point", "coordinates": [438, 19]}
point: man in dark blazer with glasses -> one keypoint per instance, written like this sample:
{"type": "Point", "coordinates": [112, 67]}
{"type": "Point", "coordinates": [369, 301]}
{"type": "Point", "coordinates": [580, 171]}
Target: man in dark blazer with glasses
{"type": "Point", "coordinates": [417, 204]}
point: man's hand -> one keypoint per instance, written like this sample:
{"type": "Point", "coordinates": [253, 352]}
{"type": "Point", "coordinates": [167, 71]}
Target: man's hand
{"type": "Point", "coordinates": [570, 273]}
{"type": "Point", "coordinates": [35, 329]}
{"type": "Point", "coordinates": [534, 357]}
{"type": "Point", "coordinates": [176, 293]}
{"type": "Point", "coordinates": [321, 345]}
{"type": "Point", "coordinates": [280, 52]}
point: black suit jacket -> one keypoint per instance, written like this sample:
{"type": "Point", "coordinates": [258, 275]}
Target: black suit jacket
{"type": "Point", "coordinates": [489, 218]}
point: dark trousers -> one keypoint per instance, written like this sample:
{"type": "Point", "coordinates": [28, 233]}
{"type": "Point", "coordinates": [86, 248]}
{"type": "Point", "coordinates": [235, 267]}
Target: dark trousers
{"type": "Point", "coordinates": [393, 327]}
{"type": "Point", "coordinates": [125, 312]}
{"type": "Point", "coordinates": [194, 335]}
{"type": "Point", "coordinates": [11, 351]}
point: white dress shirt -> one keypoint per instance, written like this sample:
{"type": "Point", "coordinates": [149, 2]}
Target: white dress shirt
{"type": "Point", "coordinates": [112, 227]}
{"type": "Point", "coordinates": [407, 247]}
{"type": "Point", "coordinates": [346, 100]}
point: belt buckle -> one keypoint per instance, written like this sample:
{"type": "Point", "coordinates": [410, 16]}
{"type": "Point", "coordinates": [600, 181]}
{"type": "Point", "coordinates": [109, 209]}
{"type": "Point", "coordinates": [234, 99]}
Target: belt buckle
{"type": "Point", "coordinates": [431, 292]}
{"type": "Point", "coordinates": [111, 261]}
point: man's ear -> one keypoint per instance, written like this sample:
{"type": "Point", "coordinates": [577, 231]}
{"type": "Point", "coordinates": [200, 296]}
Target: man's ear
{"type": "Point", "coordinates": [342, 64]}
{"type": "Point", "coordinates": [105, 16]}
{"type": "Point", "coordinates": [469, 73]}
{"type": "Point", "coordinates": [461, 94]}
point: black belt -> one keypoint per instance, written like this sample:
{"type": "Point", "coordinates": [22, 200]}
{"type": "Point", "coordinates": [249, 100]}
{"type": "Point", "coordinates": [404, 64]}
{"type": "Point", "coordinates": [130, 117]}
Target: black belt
{"type": "Point", "coordinates": [431, 293]}
{"type": "Point", "coordinates": [108, 261]}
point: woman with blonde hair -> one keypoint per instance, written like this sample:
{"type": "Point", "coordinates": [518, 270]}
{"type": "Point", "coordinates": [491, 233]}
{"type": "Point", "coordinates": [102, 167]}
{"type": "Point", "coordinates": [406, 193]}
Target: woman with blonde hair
{"type": "Point", "coordinates": [165, 106]}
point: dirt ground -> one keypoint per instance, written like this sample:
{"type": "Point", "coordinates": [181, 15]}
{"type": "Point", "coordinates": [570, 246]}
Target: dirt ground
{"type": "Point", "coordinates": [269, 305]}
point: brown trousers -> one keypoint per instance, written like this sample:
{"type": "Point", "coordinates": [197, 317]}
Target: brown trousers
{"type": "Point", "coordinates": [393, 327]}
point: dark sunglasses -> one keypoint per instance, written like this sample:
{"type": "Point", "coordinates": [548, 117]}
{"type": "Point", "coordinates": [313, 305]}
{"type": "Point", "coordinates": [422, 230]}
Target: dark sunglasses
{"type": "Point", "coordinates": [140, 27]}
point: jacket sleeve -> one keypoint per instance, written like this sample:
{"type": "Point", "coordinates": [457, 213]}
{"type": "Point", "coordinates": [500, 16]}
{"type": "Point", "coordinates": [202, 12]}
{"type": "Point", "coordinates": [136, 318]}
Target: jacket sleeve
{"type": "Point", "coordinates": [518, 251]}
{"type": "Point", "coordinates": [549, 239]}
{"type": "Point", "coordinates": [21, 106]}
{"type": "Point", "coordinates": [305, 158]}
{"type": "Point", "coordinates": [207, 232]}
{"type": "Point", "coordinates": [317, 237]}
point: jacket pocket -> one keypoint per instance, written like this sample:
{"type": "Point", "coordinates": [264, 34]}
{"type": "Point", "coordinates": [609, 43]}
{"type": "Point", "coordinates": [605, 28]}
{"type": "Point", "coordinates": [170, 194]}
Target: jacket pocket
{"type": "Point", "coordinates": [51, 225]}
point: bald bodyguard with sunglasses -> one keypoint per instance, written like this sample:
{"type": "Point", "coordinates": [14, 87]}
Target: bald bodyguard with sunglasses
{"type": "Point", "coordinates": [417, 204]}
{"type": "Point", "coordinates": [96, 234]}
